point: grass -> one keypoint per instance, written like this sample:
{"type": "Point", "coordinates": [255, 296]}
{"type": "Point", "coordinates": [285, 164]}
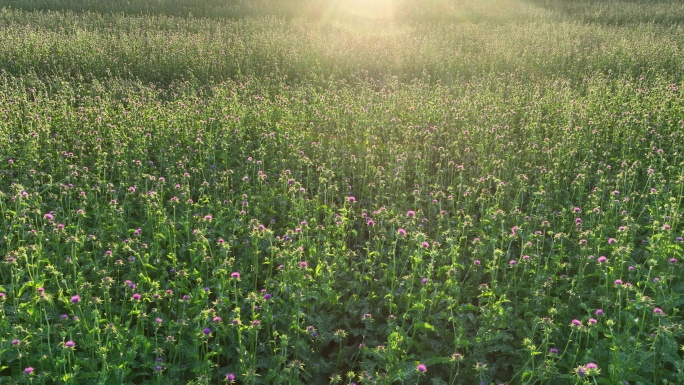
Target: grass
{"type": "Point", "coordinates": [270, 192]}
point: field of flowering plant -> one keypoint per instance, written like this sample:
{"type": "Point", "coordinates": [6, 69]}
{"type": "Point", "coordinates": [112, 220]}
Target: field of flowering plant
{"type": "Point", "coordinates": [328, 192]}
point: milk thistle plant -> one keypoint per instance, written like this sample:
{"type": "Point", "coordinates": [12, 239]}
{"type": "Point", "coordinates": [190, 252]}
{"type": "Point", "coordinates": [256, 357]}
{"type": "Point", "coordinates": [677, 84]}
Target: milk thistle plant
{"type": "Point", "coordinates": [308, 192]}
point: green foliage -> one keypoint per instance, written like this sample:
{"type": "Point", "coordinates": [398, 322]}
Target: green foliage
{"type": "Point", "coordinates": [332, 192]}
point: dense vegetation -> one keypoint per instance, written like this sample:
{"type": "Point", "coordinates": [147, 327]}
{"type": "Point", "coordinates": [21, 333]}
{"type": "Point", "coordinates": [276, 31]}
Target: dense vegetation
{"type": "Point", "coordinates": [426, 192]}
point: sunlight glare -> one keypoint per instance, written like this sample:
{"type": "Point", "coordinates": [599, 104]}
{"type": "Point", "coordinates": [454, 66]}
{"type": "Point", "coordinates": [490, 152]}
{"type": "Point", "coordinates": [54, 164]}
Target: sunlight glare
{"type": "Point", "coordinates": [368, 9]}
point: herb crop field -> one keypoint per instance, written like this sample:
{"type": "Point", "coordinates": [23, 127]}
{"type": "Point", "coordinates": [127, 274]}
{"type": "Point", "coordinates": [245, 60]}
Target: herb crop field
{"type": "Point", "coordinates": [336, 192]}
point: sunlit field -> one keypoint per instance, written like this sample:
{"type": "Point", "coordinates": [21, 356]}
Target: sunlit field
{"type": "Point", "coordinates": [341, 192]}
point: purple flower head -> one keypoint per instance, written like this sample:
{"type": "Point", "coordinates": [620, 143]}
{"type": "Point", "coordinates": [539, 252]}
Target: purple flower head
{"type": "Point", "coordinates": [303, 264]}
{"type": "Point", "coordinates": [581, 371]}
{"type": "Point", "coordinates": [235, 275]}
{"type": "Point", "coordinates": [602, 259]}
{"type": "Point", "coordinates": [611, 241]}
{"type": "Point", "coordinates": [352, 199]}
{"type": "Point", "coordinates": [401, 232]}
{"type": "Point", "coordinates": [206, 331]}
{"type": "Point", "coordinates": [75, 299]}
{"type": "Point", "coordinates": [230, 377]}
{"type": "Point", "coordinates": [576, 323]}
{"type": "Point", "coordinates": [70, 344]}
{"type": "Point", "coordinates": [553, 351]}
{"type": "Point", "coordinates": [15, 342]}
{"type": "Point", "coordinates": [618, 282]}
{"type": "Point", "coordinates": [425, 245]}
{"type": "Point", "coordinates": [411, 213]}
{"type": "Point", "coordinates": [512, 262]}
{"type": "Point", "coordinates": [422, 368]}
{"type": "Point", "coordinates": [267, 296]}
{"type": "Point", "coordinates": [599, 312]}
{"type": "Point", "coordinates": [49, 217]}
{"type": "Point", "coordinates": [29, 370]}
{"type": "Point", "coordinates": [136, 297]}
{"type": "Point", "coordinates": [476, 262]}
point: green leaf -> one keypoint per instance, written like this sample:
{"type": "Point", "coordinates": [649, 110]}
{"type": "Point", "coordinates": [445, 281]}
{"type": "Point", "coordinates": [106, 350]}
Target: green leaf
{"type": "Point", "coordinates": [424, 326]}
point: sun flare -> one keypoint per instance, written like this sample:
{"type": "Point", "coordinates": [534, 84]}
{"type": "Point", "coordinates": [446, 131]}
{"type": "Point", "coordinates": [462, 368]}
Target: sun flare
{"type": "Point", "coordinates": [368, 9]}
